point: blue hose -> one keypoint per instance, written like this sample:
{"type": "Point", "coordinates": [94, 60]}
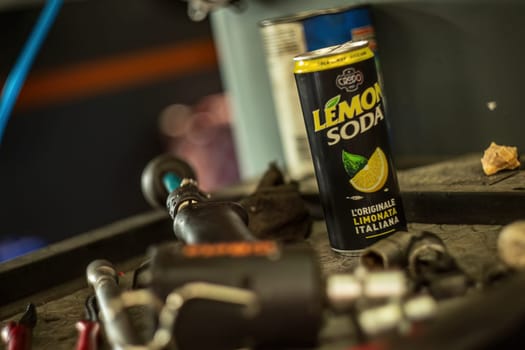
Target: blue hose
{"type": "Point", "coordinates": [18, 74]}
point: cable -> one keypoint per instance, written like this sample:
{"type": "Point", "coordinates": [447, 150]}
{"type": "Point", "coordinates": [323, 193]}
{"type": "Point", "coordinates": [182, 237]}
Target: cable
{"type": "Point", "coordinates": [18, 74]}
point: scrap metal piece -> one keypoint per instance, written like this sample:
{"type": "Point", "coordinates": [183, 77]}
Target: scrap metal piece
{"type": "Point", "coordinates": [432, 267]}
{"type": "Point", "coordinates": [511, 245]}
{"type": "Point", "coordinates": [403, 249]}
{"type": "Point", "coordinates": [426, 258]}
{"type": "Point", "coordinates": [426, 250]}
{"type": "Point", "coordinates": [497, 157]}
{"type": "Point", "coordinates": [103, 277]}
{"type": "Point", "coordinates": [396, 315]}
{"type": "Point", "coordinates": [343, 290]}
{"type": "Point", "coordinates": [391, 251]}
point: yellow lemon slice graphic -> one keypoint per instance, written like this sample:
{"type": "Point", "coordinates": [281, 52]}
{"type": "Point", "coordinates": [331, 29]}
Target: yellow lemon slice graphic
{"type": "Point", "coordinates": [374, 175]}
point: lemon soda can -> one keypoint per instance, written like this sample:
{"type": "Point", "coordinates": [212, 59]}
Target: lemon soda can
{"type": "Point", "coordinates": [343, 109]}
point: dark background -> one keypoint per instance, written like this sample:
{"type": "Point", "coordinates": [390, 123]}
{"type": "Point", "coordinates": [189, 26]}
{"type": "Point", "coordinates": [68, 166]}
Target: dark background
{"type": "Point", "coordinates": [74, 165]}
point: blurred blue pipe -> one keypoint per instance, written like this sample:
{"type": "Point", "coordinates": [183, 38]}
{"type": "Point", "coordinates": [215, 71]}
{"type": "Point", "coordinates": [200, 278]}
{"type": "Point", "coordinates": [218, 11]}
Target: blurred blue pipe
{"type": "Point", "coordinates": [18, 74]}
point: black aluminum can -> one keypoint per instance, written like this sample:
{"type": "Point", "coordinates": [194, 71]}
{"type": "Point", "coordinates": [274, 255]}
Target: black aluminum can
{"type": "Point", "coordinates": [343, 109]}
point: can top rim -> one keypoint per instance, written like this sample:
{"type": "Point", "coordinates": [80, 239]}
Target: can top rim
{"type": "Point", "coordinates": [331, 50]}
{"type": "Point", "coordinates": [306, 14]}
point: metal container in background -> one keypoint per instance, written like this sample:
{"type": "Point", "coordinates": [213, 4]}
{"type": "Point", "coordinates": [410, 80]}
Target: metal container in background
{"type": "Point", "coordinates": [288, 36]}
{"type": "Point", "coordinates": [343, 107]}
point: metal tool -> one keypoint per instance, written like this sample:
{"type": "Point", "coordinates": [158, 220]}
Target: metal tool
{"type": "Point", "coordinates": [18, 335]}
{"type": "Point", "coordinates": [163, 167]}
{"type": "Point", "coordinates": [103, 277]}
{"type": "Point", "coordinates": [433, 268]}
{"type": "Point", "coordinates": [232, 297]}
{"type": "Point", "coordinates": [396, 315]}
{"type": "Point", "coordinates": [391, 251]}
{"type": "Point", "coordinates": [89, 328]}
{"type": "Point", "coordinates": [427, 259]}
{"type": "Point", "coordinates": [287, 292]}
{"type": "Point", "coordinates": [285, 281]}
{"type": "Point", "coordinates": [196, 218]}
{"type": "Point", "coordinates": [401, 250]}
{"type": "Point", "coordinates": [291, 292]}
{"type": "Point", "coordinates": [114, 305]}
{"type": "Point", "coordinates": [344, 290]}
{"type": "Point", "coordinates": [427, 249]}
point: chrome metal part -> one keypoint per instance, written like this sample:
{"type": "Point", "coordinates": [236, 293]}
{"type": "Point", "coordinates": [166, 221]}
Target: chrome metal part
{"type": "Point", "coordinates": [343, 290]}
{"type": "Point", "coordinates": [103, 277]}
{"type": "Point", "coordinates": [114, 304]}
{"type": "Point", "coordinates": [396, 315]}
{"type": "Point", "coordinates": [511, 245]}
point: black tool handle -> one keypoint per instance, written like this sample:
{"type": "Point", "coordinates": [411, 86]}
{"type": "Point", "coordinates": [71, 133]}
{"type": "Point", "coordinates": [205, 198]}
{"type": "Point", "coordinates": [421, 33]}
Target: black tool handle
{"type": "Point", "coordinates": [212, 222]}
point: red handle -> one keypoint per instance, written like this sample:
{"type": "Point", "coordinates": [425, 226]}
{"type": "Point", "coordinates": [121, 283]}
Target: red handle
{"type": "Point", "coordinates": [17, 336]}
{"type": "Point", "coordinates": [88, 335]}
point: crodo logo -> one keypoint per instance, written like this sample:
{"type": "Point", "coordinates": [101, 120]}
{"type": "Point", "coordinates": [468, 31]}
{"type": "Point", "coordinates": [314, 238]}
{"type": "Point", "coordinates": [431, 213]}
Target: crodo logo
{"type": "Point", "coordinates": [349, 80]}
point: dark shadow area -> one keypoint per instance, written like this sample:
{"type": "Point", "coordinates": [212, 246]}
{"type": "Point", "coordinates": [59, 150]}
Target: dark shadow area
{"type": "Point", "coordinates": [73, 165]}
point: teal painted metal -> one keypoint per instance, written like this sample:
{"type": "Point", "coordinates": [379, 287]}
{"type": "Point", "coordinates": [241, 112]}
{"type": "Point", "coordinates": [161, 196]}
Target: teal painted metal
{"type": "Point", "coordinates": [171, 181]}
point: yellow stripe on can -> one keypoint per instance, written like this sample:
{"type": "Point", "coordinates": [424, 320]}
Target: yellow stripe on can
{"type": "Point", "coordinates": [329, 58]}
